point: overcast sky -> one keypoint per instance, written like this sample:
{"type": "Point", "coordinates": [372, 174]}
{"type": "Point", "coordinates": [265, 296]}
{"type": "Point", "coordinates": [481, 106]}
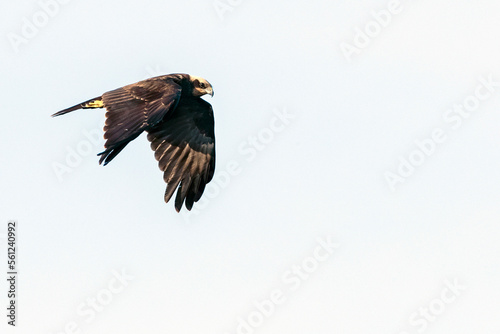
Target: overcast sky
{"type": "Point", "coordinates": [357, 180]}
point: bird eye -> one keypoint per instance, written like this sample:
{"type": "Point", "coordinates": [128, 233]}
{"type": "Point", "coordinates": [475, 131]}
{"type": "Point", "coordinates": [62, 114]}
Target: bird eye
{"type": "Point", "coordinates": [202, 85]}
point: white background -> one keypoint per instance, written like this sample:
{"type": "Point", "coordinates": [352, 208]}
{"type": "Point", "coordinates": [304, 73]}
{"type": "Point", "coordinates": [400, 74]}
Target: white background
{"type": "Point", "coordinates": [322, 175]}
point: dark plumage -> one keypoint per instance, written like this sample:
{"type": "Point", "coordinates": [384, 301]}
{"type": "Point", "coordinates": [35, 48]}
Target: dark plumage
{"type": "Point", "coordinates": [180, 127]}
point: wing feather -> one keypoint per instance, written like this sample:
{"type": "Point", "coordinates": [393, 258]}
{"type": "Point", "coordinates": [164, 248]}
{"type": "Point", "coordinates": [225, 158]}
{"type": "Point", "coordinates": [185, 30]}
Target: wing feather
{"type": "Point", "coordinates": [184, 145]}
{"type": "Point", "coordinates": [134, 108]}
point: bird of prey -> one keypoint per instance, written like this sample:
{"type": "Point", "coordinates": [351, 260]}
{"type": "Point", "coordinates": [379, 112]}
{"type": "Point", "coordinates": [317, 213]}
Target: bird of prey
{"type": "Point", "coordinates": [179, 123]}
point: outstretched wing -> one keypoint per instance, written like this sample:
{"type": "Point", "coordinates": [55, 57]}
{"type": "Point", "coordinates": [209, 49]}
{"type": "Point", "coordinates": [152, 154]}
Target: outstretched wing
{"type": "Point", "coordinates": [134, 108]}
{"type": "Point", "coordinates": [184, 145]}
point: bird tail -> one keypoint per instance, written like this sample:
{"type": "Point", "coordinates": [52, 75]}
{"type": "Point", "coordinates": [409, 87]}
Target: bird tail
{"type": "Point", "coordinates": [90, 104]}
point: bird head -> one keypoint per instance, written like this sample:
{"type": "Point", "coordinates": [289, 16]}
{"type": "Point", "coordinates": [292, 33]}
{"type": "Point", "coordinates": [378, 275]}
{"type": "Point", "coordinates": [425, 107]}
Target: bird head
{"type": "Point", "coordinates": [201, 86]}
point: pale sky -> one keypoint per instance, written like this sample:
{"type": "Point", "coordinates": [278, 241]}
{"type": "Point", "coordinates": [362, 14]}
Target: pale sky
{"type": "Point", "coordinates": [391, 153]}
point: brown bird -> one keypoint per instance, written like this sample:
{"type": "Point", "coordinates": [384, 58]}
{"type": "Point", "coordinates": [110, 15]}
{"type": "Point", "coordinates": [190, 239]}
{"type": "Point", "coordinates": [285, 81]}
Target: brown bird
{"type": "Point", "coordinates": [179, 123]}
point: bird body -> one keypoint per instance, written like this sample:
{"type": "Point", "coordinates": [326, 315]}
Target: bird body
{"type": "Point", "coordinates": [180, 127]}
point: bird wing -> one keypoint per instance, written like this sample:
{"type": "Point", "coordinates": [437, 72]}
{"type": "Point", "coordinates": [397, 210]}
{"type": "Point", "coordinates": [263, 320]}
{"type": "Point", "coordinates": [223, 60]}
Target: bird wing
{"type": "Point", "coordinates": [184, 145]}
{"type": "Point", "coordinates": [134, 108]}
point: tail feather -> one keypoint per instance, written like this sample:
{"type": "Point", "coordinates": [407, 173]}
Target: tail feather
{"type": "Point", "coordinates": [92, 103]}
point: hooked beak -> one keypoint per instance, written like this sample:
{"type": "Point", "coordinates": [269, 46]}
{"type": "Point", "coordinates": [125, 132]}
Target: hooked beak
{"type": "Point", "coordinates": [210, 91]}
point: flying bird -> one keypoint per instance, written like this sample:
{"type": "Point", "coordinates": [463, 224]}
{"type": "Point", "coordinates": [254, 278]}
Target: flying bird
{"type": "Point", "coordinates": [179, 123]}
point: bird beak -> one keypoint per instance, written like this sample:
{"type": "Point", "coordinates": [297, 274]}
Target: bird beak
{"type": "Point", "coordinates": [210, 91]}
